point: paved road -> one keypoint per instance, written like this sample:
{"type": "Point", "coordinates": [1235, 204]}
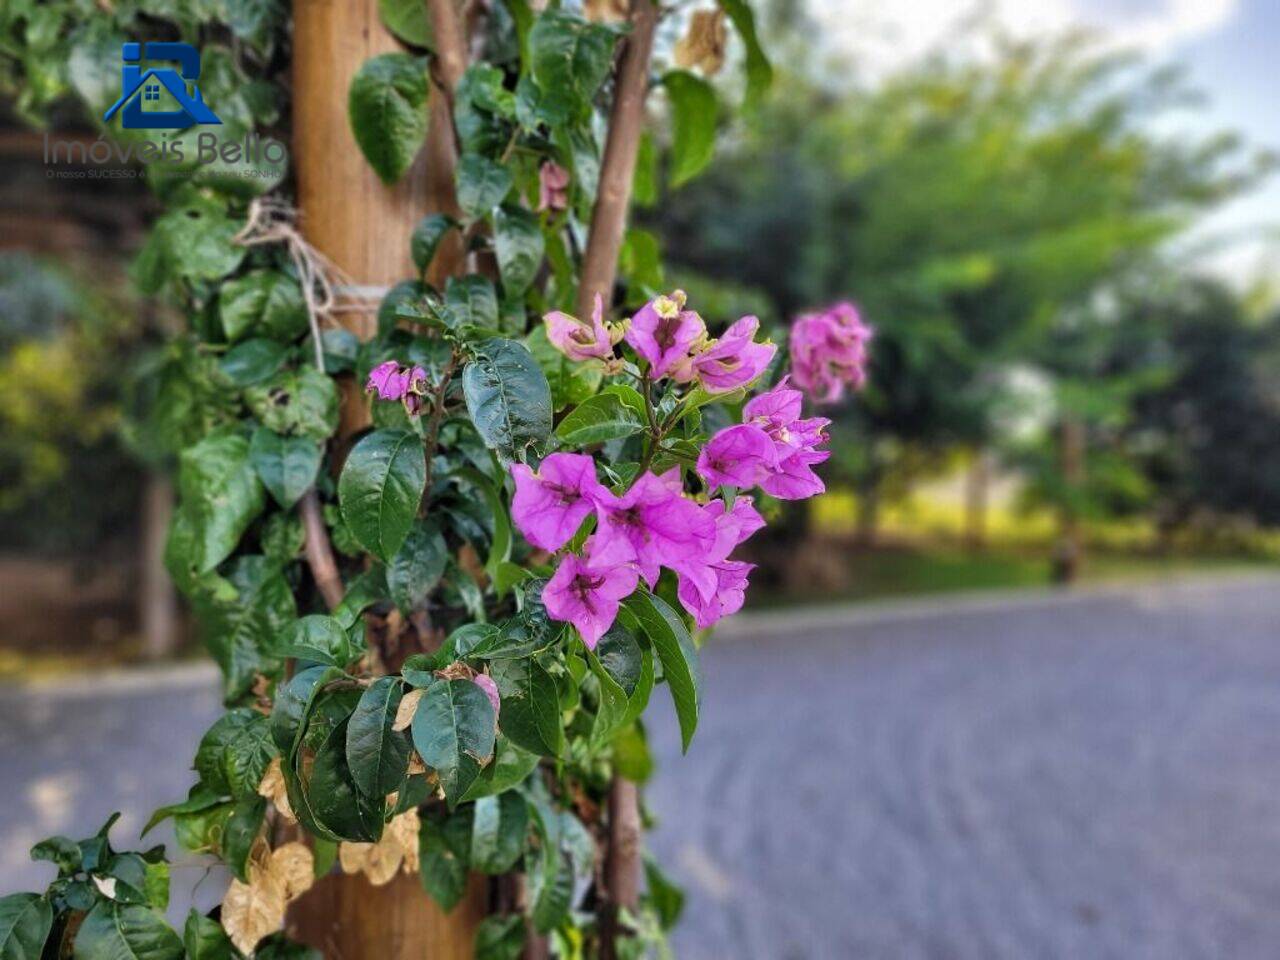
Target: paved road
{"type": "Point", "coordinates": [1095, 776]}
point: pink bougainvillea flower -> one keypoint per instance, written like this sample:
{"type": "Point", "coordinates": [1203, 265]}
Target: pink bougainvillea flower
{"type": "Point", "coordinates": [485, 683]}
{"type": "Point", "coordinates": [829, 352]}
{"type": "Point", "coordinates": [587, 595]}
{"type": "Point", "coordinates": [652, 525]}
{"type": "Point", "coordinates": [387, 380]}
{"type": "Point", "coordinates": [794, 478]}
{"type": "Point", "coordinates": [733, 526]}
{"type": "Point", "coordinates": [550, 505]}
{"type": "Point", "coordinates": [727, 597]}
{"type": "Point", "coordinates": [553, 187]}
{"type": "Point", "coordinates": [777, 412]}
{"type": "Point", "coordinates": [665, 334]}
{"type": "Point", "coordinates": [738, 456]}
{"type": "Point", "coordinates": [578, 340]}
{"type": "Point", "coordinates": [734, 360]}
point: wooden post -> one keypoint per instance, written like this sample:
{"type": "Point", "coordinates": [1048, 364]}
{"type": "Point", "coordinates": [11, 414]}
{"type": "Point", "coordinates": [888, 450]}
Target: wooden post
{"type": "Point", "coordinates": [1070, 552]}
{"type": "Point", "coordinates": [363, 226]}
{"type": "Point", "coordinates": [158, 600]}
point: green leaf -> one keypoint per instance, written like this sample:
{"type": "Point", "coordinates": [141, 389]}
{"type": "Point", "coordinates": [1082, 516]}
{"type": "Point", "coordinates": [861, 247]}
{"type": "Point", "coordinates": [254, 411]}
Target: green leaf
{"type": "Point", "coordinates": [444, 845]}
{"type": "Point", "coordinates": [426, 236]}
{"type": "Point", "coordinates": [507, 396]}
{"type": "Point", "coordinates": [471, 301]}
{"type": "Point", "coordinates": [264, 302]}
{"type": "Point", "coordinates": [242, 829]}
{"type": "Point", "coordinates": [759, 70]}
{"type": "Point", "coordinates": [303, 401]}
{"type": "Point", "coordinates": [417, 566]}
{"type": "Point", "coordinates": [317, 638]}
{"type": "Point", "coordinates": [641, 263]}
{"type": "Point", "coordinates": [25, 922]}
{"type": "Point", "coordinates": [670, 638]}
{"type": "Point", "coordinates": [116, 931]}
{"type": "Point", "coordinates": [693, 109]}
{"type": "Point", "coordinates": [193, 241]}
{"type": "Point", "coordinates": [235, 753]}
{"type": "Point", "coordinates": [510, 766]}
{"type": "Point", "coordinates": [530, 706]}
{"type": "Point", "coordinates": [603, 417]}
{"type": "Point", "coordinates": [335, 802]}
{"type": "Point", "coordinates": [551, 889]}
{"type": "Point", "coordinates": [666, 897]}
{"type": "Point", "coordinates": [644, 184]}
{"type": "Point", "coordinates": [239, 629]}
{"type": "Point", "coordinates": [571, 383]}
{"type": "Point", "coordinates": [482, 183]}
{"type": "Point", "coordinates": [454, 730]}
{"type": "Point", "coordinates": [378, 756]}
{"type": "Point", "coordinates": [253, 361]}
{"type": "Point", "coordinates": [62, 852]}
{"type": "Point", "coordinates": [498, 832]}
{"type": "Point", "coordinates": [380, 488]}
{"type": "Point", "coordinates": [408, 20]}
{"type": "Point", "coordinates": [200, 798]}
{"type": "Point", "coordinates": [387, 107]}
{"type": "Point", "coordinates": [500, 546]}
{"type": "Point", "coordinates": [205, 939]}
{"type": "Point", "coordinates": [570, 57]}
{"type": "Point", "coordinates": [500, 938]}
{"type": "Point", "coordinates": [293, 705]}
{"type": "Point", "coordinates": [517, 238]}
{"type": "Point", "coordinates": [220, 495]}
{"type": "Point", "coordinates": [287, 466]}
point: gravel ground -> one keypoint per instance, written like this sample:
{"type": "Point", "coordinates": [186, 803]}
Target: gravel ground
{"type": "Point", "coordinates": [1083, 776]}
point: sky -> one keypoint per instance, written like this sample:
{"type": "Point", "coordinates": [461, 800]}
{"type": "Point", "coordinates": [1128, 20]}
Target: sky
{"type": "Point", "coordinates": [1230, 47]}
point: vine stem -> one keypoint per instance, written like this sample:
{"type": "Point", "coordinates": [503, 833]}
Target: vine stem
{"type": "Point", "coordinates": [599, 270]}
{"type": "Point", "coordinates": [319, 552]}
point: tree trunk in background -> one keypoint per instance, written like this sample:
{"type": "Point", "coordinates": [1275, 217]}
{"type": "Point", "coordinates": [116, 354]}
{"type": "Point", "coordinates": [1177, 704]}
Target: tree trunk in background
{"type": "Point", "coordinates": [977, 484]}
{"type": "Point", "coordinates": [157, 598]}
{"type": "Point", "coordinates": [1070, 551]}
{"type": "Point", "coordinates": [363, 226]}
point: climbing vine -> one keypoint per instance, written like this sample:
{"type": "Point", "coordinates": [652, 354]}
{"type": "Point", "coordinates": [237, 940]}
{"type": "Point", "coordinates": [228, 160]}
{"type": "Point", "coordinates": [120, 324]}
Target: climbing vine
{"type": "Point", "coordinates": [438, 633]}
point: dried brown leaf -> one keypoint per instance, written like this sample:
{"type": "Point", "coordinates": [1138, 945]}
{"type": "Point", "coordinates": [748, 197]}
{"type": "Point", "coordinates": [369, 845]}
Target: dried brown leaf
{"type": "Point", "coordinates": [703, 44]}
{"type": "Point", "coordinates": [273, 788]}
{"type": "Point", "coordinates": [408, 706]}
{"type": "Point", "coordinates": [251, 911]}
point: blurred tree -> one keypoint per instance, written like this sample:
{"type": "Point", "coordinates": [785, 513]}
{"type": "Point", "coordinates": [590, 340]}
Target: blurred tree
{"type": "Point", "coordinates": [976, 207]}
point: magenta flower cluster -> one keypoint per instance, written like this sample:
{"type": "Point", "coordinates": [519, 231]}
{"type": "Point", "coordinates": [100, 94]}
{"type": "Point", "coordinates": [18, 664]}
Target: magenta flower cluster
{"type": "Point", "coordinates": [654, 524]}
{"type": "Point", "coordinates": [671, 340]}
{"type": "Point", "coordinates": [829, 352]}
{"type": "Point", "coordinates": [391, 381]}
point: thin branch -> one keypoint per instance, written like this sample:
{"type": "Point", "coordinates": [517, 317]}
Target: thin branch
{"type": "Point", "coordinates": [618, 166]}
{"type": "Point", "coordinates": [622, 861]}
{"type": "Point", "coordinates": [324, 569]}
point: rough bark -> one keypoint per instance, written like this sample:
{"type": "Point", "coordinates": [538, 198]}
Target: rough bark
{"type": "Point", "coordinates": [319, 552]}
{"type": "Point", "coordinates": [363, 226]}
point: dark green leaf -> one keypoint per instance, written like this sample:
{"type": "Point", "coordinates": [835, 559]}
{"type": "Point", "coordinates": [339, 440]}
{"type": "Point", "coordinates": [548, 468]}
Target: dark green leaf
{"type": "Point", "coordinates": [253, 361]}
{"type": "Point", "coordinates": [115, 931]}
{"type": "Point", "coordinates": [444, 845]}
{"type": "Point", "coordinates": [430, 230]}
{"type": "Point", "coordinates": [243, 827]}
{"type": "Point", "coordinates": [62, 852]}
{"type": "Point", "coordinates": [200, 798]}
{"type": "Point", "coordinates": [380, 489]}
{"type": "Point", "coordinates": [220, 495]}
{"type": "Point", "coordinates": [530, 713]}
{"type": "Point", "coordinates": [652, 617]}
{"type": "Point", "coordinates": [408, 20]}
{"type": "Point", "coordinates": [510, 766]}
{"type": "Point", "coordinates": [205, 939]}
{"type": "Point", "coordinates": [235, 753]}
{"type": "Point", "coordinates": [482, 183]}
{"type": "Point", "coordinates": [302, 401]}
{"type": "Point", "coordinates": [498, 832]}
{"type": "Point", "coordinates": [471, 302]}
{"type": "Point", "coordinates": [267, 303]}
{"type": "Point", "coordinates": [417, 566]}
{"type": "Point", "coordinates": [25, 921]}
{"type": "Point", "coordinates": [287, 466]}
{"type": "Point", "coordinates": [454, 730]}
{"type": "Point", "coordinates": [378, 756]}
{"type": "Point", "coordinates": [387, 107]}
{"type": "Point", "coordinates": [602, 417]}
{"type": "Point", "coordinates": [517, 238]}
{"type": "Point", "coordinates": [693, 109]}
{"type": "Point", "coordinates": [570, 57]}
{"type": "Point", "coordinates": [240, 628]}
{"type": "Point", "coordinates": [335, 802]}
{"type": "Point", "coordinates": [507, 396]}
{"type": "Point", "coordinates": [500, 938]}
{"type": "Point", "coordinates": [666, 897]}
{"type": "Point", "coordinates": [317, 638]}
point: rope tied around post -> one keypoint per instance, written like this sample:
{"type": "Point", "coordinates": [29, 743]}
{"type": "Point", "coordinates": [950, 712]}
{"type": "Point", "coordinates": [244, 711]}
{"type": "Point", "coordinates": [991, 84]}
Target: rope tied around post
{"type": "Point", "coordinates": [326, 289]}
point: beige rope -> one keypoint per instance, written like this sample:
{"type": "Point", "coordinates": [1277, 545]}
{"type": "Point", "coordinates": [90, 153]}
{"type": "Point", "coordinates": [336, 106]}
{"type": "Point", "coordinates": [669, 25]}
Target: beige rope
{"type": "Point", "coordinates": [323, 282]}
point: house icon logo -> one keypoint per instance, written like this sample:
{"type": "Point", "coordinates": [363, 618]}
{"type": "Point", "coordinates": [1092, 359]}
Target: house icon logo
{"type": "Point", "coordinates": [143, 88]}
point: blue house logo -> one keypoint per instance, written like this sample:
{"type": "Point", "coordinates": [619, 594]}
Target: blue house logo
{"type": "Point", "coordinates": [142, 88]}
